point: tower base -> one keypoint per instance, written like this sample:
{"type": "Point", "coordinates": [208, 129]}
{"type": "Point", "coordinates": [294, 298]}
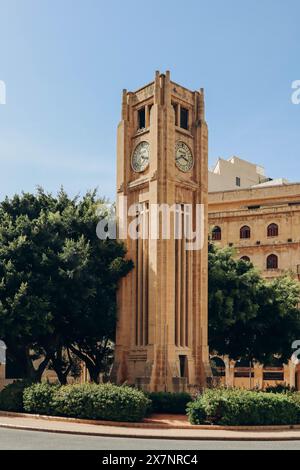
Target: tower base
{"type": "Point", "coordinates": [158, 374]}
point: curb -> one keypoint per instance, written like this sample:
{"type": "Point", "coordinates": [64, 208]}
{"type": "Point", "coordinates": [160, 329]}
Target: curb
{"type": "Point", "coordinates": [153, 437]}
{"type": "Point", "coordinates": [191, 433]}
{"type": "Point", "coordinates": [151, 423]}
{"type": "Point", "coordinates": [63, 419]}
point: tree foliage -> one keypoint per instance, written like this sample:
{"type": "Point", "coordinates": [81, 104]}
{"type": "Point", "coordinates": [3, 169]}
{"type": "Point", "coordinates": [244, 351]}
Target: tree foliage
{"type": "Point", "coordinates": [250, 318]}
{"type": "Point", "coordinates": [57, 281]}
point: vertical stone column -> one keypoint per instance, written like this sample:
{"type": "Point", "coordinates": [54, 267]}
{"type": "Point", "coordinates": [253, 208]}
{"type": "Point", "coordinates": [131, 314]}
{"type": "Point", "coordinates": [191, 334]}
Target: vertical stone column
{"type": "Point", "coordinates": [292, 377]}
{"type": "Point", "coordinates": [229, 371]}
{"type": "Point", "coordinates": [289, 374]}
{"type": "Point", "coordinates": [297, 378]}
{"type": "Point", "coordinates": [258, 375]}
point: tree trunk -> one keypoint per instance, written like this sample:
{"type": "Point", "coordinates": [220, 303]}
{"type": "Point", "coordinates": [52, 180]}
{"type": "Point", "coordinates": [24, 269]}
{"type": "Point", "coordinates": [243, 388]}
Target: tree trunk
{"type": "Point", "coordinates": [94, 373]}
{"type": "Point", "coordinates": [59, 366]}
{"type": "Point", "coordinates": [35, 375]}
{"type": "Point", "coordinates": [91, 364]}
{"type": "Point", "coordinates": [63, 378]}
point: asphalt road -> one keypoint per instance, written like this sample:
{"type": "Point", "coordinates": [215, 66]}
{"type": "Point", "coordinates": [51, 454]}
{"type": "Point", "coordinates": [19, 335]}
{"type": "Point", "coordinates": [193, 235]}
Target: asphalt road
{"type": "Point", "coordinates": [11, 439]}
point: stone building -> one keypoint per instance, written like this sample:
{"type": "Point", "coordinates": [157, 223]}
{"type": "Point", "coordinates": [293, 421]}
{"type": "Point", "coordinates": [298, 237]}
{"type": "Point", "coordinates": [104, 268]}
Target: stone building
{"type": "Point", "coordinates": [234, 173]}
{"type": "Point", "coordinates": [262, 223]}
{"type": "Point", "coordinates": [260, 219]}
{"type": "Point", "coordinates": [239, 374]}
{"type": "Point", "coordinates": [161, 341]}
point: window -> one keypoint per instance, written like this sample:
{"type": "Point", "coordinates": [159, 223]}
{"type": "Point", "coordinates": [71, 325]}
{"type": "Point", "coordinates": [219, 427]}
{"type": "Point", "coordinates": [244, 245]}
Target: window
{"type": "Point", "coordinates": [272, 262]}
{"type": "Point", "coordinates": [246, 258]}
{"type": "Point", "coordinates": [141, 118]}
{"type": "Point", "coordinates": [217, 366]}
{"type": "Point", "coordinates": [243, 374]}
{"type": "Point", "coordinates": [184, 118]}
{"type": "Point", "coordinates": [216, 233]}
{"type": "Point", "coordinates": [238, 181]}
{"type": "Point", "coordinates": [272, 230]}
{"type": "Point", "coordinates": [183, 365]}
{"type": "Point", "coordinates": [273, 376]}
{"type": "Point", "coordinates": [245, 232]}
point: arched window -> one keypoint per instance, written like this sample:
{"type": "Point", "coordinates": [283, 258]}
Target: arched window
{"type": "Point", "coordinates": [245, 232]}
{"type": "Point", "coordinates": [272, 262]}
{"type": "Point", "coordinates": [272, 230]}
{"type": "Point", "coordinates": [217, 366]}
{"type": "Point", "coordinates": [246, 258]}
{"type": "Point", "coordinates": [216, 233]}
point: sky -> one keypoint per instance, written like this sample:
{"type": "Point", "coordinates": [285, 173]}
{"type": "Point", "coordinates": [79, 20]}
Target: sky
{"type": "Point", "coordinates": [65, 62]}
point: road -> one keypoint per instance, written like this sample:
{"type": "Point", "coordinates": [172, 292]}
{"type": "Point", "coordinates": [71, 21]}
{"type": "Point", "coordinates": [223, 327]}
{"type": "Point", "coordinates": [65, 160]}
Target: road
{"type": "Point", "coordinates": [34, 440]}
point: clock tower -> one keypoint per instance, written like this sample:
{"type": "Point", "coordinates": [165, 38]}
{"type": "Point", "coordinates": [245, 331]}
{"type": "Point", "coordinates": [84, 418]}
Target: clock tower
{"type": "Point", "coordinates": [162, 148]}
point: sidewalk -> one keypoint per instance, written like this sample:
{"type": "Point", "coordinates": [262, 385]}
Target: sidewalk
{"type": "Point", "coordinates": [157, 427]}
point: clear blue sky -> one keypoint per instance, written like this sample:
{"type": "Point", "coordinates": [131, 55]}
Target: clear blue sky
{"type": "Point", "coordinates": [66, 62]}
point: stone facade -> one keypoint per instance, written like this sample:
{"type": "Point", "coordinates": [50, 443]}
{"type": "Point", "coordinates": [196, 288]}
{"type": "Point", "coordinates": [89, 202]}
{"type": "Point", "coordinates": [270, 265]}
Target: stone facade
{"type": "Point", "coordinates": [272, 214]}
{"type": "Point", "coordinates": [261, 209]}
{"type": "Point", "coordinates": [161, 339]}
{"type": "Point", "coordinates": [232, 374]}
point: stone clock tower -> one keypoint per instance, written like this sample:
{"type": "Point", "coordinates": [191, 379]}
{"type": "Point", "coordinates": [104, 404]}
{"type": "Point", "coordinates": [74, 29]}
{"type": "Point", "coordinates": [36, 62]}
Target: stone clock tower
{"type": "Point", "coordinates": [161, 341]}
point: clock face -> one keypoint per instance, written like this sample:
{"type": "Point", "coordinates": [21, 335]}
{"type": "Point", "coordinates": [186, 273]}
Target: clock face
{"type": "Point", "coordinates": [183, 157]}
{"type": "Point", "coordinates": [140, 157]}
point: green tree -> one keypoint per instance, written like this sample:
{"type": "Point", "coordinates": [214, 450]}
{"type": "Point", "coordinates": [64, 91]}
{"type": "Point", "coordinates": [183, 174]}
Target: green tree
{"type": "Point", "coordinates": [58, 281]}
{"type": "Point", "coordinates": [277, 323]}
{"type": "Point", "coordinates": [249, 318]}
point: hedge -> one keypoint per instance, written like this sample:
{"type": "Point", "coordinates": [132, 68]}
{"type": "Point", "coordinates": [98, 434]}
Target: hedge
{"type": "Point", "coordinates": [11, 397]}
{"type": "Point", "coordinates": [167, 402]}
{"type": "Point", "coordinates": [110, 402]}
{"type": "Point", "coordinates": [234, 407]}
{"type": "Point", "coordinates": [40, 398]}
{"type": "Point", "coordinates": [89, 401]}
{"type": "Point", "coordinates": [280, 388]}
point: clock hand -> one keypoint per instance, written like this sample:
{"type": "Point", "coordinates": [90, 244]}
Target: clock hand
{"type": "Point", "coordinates": [182, 156]}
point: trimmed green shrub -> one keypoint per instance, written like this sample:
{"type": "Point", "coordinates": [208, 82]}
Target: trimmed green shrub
{"type": "Point", "coordinates": [166, 402]}
{"type": "Point", "coordinates": [39, 398]}
{"type": "Point", "coordinates": [234, 407]}
{"type": "Point", "coordinates": [11, 397]}
{"type": "Point", "coordinates": [89, 401]}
